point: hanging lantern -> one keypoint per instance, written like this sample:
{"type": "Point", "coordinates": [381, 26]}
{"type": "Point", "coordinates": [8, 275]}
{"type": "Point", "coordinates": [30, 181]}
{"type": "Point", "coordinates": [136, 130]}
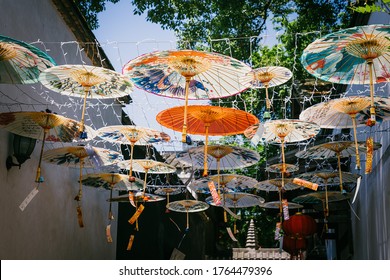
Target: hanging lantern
{"type": "Point", "coordinates": [294, 245]}
{"type": "Point", "coordinates": [299, 226]}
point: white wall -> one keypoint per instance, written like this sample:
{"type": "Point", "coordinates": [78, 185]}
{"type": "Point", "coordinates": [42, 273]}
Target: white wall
{"type": "Point", "coordinates": [48, 228]}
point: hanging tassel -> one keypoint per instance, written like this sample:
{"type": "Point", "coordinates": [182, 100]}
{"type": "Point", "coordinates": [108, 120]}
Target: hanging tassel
{"type": "Point", "coordinates": [108, 233]}
{"type": "Point", "coordinates": [80, 217]}
{"type": "Point", "coordinates": [369, 156]}
{"type": "Point", "coordinates": [306, 184]}
{"type": "Point", "coordinates": [277, 230]}
{"type": "Point", "coordinates": [225, 216]}
{"type": "Point", "coordinates": [285, 210]}
{"type": "Point", "coordinates": [136, 214]}
{"type": "Point", "coordinates": [28, 199]}
{"type": "Point", "coordinates": [131, 199]}
{"type": "Point", "coordinates": [214, 194]}
{"type": "Point", "coordinates": [130, 244]}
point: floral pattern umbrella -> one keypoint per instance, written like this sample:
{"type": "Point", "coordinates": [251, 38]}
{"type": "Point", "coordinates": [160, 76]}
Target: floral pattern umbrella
{"type": "Point", "coordinates": [131, 135]}
{"type": "Point", "coordinates": [21, 63]}
{"type": "Point", "coordinates": [207, 120]}
{"type": "Point", "coordinates": [44, 126]}
{"type": "Point", "coordinates": [86, 81]}
{"type": "Point", "coordinates": [187, 74]}
{"type": "Point", "coordinates": [357, 55]}
{"type": "Point", "coordinates": [266, 77]}
{"type": "Point", "coordinates": [82, 157]}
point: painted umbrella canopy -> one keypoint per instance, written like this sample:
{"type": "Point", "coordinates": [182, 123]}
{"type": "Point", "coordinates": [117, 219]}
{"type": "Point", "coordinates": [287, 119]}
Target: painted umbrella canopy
{"type": "Point", "coordinates": [209, 75]}
{"type": "Point", "coordinates": [20, 62]}
{"type": "Point", "coordinates": [357, 55]}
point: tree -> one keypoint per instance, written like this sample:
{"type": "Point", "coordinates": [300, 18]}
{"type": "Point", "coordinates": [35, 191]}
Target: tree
{"type": "Point", "coordinates": [90, 9]}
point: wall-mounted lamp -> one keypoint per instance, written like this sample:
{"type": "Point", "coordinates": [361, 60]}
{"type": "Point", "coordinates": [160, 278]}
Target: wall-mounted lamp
{"type": "Point", "coordinates": [23, 148]}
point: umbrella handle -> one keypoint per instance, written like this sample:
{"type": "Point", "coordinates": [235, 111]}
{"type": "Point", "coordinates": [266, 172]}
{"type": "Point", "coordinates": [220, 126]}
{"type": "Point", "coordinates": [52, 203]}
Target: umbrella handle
{"type": "Point", "coordinates": [356, 143]}
{"type": "Point", "coordinates": [184, 133]}
{"type": "Point", "coordinates": [86, 92]}
{"type": "Point", "coordinates": [267, 101]}
{"type": "Point", "coordinates": [205, 168]}
{"type": "Point", "coordinates": [372, 107]}
{"type": "Point", "coordinates": [340, 173]}
{"type": "Point", "coordinates": [38, 178]}
{"type": "Point", "coordinates": [131, 160]}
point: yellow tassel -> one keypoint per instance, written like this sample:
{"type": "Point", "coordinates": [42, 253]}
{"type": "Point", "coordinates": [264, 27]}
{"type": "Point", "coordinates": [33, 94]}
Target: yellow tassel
{"type": "Point", "coordinates": [108, 233]}
{"type": "Point", "coordinates": [130, 244]}
{"type": "Point", "coordinates": [369, 156]}
{"type": "Point", "coordinates": [136, 214]}
{"type": "Point", "coordinates": [80, 216]}
{"type": "Point", "coordinates": [306, 184]}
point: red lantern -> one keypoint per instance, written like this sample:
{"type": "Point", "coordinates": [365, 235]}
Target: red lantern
{"type": "Point", "coordinates": [294, 245]}
{"type": "Point", "coordinates": [299, 226]}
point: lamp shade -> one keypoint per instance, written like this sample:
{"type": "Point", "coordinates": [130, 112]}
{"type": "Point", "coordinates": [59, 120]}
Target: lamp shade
{"type": "Point", "coordinates": [23, 148]}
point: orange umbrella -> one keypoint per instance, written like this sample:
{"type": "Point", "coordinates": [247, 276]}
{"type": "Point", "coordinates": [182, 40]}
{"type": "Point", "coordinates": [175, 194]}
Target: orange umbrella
{"type": "Point", "coordinates": [207, 120]}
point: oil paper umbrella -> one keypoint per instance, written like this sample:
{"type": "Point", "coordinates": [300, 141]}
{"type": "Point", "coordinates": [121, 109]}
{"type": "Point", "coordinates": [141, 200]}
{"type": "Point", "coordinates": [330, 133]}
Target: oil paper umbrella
{"type": "Point", "coordinates": [187, 206]}
{"type": "Point", "coordinates": [44, 126]}
{"type": "Point", "coordinates": [111, 182]}
{"type": "Point", "coordinates": [20, 62]}
{"type": "Point", "coordinates": [322, 197]}
{"type": "Point", "coordinates": [339, 149]}
{"type": "Point", "coordinates": [85, 81]}
{"type": "Point", "coordinates": [288, 131]}
{"type": "Point", "coordinates": [276, 205]}
{"type": "Point", "coordinates": [148, 166]}
{"type": "Point", "coordinates": [137, 200]}
{"type": "Point", "coordinates": [167, 191]}
{"type": "Point", "coordinates": [209, 121]}
{"type": "Point", "coordinates": [82, 157]}
{"type": "Point", "coordinates": [328, 177]}
{"type": "Point", "coordinates": [131, 135]}
{"type": "Point", "coordinates": [278, 185]}
{"type": "Point", "coordinates": [357, 55]}
{"type": "Point", "coordinates": [346, 113]}
{"type": "Point", "coordinates": [236, 200]}
{"type": "Point", "coordinates": [225, 183]}
{"type": "Point", "coordinates": [187, 74]}
{"type": "Point", "coordinates": [266, 77]}
{"type": "Point", "coordinates": [282, 168]}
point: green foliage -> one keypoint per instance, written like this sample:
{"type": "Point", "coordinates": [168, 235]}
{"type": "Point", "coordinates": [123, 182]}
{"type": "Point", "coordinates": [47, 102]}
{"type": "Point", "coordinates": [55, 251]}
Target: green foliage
{"type": "Point", "coordinates": [90, 9]}
{"type": "Point", "coordinates": [370, 6]}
